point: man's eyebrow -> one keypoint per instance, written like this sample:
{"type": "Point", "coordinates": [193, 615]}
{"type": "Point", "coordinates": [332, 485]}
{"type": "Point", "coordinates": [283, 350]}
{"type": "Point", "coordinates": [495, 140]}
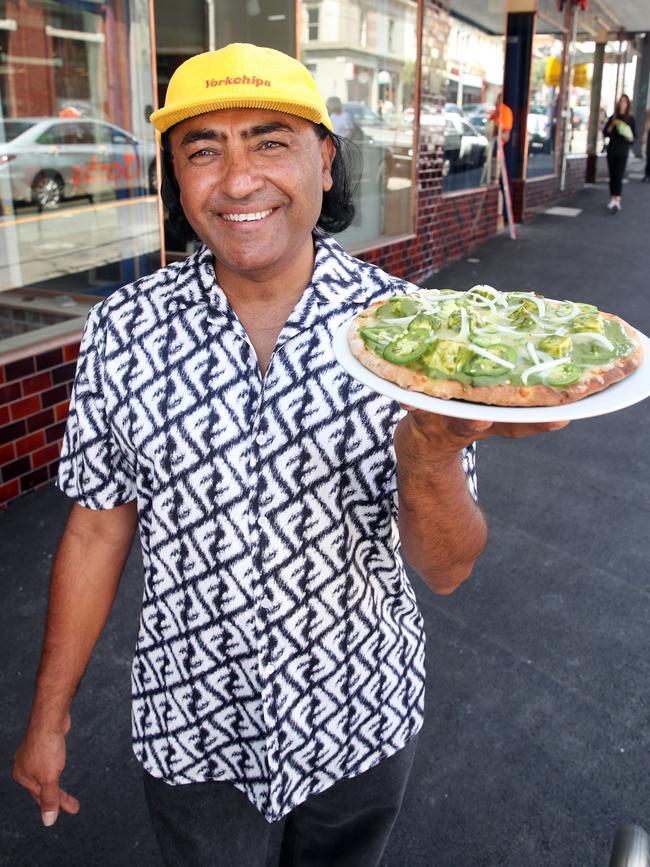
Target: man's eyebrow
{"type": "Point", "coordinates": [209, 134]}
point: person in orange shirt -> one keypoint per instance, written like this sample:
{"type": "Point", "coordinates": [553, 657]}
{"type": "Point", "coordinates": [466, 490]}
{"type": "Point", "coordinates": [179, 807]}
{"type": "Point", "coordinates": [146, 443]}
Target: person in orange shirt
{"type": "Point", "coordinates": [502, 117]}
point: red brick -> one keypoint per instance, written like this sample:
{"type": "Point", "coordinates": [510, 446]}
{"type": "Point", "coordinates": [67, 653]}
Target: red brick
{"type": "Point", "coordinates": [2, 374]}
{"type": "Point", "coordinates": [55, 432]}
{"type": "Point", "coordinates": [9, 491]}
{"type": "Point", "coordinates": [36, 383]}
{"type": "Point", "coordinates": [49, 359]}
{"type": "Point", "coordinates": [15, 469]}
{"type": "Point", "coordinates": [34, 479]}
{"type": "Point", "coordinates": [18, 369]}
{"type": "Point", "coordinates": [61, 410]}
{"type": "Point", "coordinates": [54, 395]}
{"type": "Point", "coordinates": [7, 453]}
{"type": "Point", "coordinates": [10, 392]}
{"type": "Point", "coordinates": [45, 455]}
{"type": "Point", "coordinates": [30, 443]}
{"type": "Point", "coordinates": [4, 415]}
{"type": "Point", "coordinates": [40, 420]}
{"type": "Point", "coordinates": [71, 351]}
{"type": "Point", "coordinates": [25, 407]}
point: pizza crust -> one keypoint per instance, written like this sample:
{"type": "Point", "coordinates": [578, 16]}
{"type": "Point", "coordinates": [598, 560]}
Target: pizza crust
{"type": "Point", "coordinates": [498, 395]}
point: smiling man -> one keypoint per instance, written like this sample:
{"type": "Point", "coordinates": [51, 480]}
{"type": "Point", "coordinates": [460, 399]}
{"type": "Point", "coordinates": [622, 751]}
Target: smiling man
{"type": "Point", "coordinates": [279, 667]}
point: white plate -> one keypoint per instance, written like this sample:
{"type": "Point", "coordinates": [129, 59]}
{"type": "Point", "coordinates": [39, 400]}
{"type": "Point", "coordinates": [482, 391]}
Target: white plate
{"type": "Point", "coordinates": [630, 390]}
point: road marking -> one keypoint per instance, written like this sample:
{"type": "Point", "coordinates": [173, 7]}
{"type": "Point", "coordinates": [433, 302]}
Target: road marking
{"type": "Point", "coordinates": [71, 212]}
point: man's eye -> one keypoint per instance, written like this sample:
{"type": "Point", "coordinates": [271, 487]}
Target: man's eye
{"type": "Point", "coordinates": [271, 145]}
{"type": "Point", "coordinates": [203, 152]}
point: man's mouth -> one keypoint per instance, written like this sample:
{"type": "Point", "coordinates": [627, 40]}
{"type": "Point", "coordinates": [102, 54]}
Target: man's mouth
{"type": "Point", "coordinates": [247, 218]}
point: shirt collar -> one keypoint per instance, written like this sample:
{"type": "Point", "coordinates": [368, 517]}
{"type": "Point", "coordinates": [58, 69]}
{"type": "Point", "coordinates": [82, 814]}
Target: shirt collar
{"type": "Point", "coordinates": [334, 272]}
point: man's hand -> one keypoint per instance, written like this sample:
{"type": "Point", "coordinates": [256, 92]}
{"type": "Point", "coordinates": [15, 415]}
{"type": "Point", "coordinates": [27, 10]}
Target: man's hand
{"type": "Point", "coordinates": [38, 764]}
{"type": "Point", "coordinates": [441, 528]}
{"type": "Point", "coordinates": [442, 436]}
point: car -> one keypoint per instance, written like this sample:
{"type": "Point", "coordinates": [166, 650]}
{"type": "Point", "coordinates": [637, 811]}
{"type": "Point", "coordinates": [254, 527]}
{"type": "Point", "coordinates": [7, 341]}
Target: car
{"type": "Point", "coordinates": [539, 129]}
{"type": "Point", "coordinates": [362, 115]}
{"type": "Point", "coordinates": [465, 148]}
{"type": "Point", "coordinates": [50, 159]}
{"type": "Point", "coordinates": [478, 114]}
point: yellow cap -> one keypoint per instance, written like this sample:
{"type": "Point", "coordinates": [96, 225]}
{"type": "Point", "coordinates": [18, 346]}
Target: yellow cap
{"type": "Point", "coordinates": [241, 76]}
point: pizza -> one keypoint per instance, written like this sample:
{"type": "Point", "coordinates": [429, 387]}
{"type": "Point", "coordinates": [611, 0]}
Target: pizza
{"type": "Point", "coordinates": [501, 348]}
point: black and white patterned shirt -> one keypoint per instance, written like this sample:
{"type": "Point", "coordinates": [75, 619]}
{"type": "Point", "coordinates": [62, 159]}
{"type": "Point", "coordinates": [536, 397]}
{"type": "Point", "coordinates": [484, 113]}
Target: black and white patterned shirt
{"type": "Point", "coordinates": [280, 646]}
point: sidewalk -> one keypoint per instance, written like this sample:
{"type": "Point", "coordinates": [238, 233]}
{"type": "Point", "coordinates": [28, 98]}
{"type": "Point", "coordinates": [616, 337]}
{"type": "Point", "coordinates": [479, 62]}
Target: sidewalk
{"type": "Point", "coordinates": [536, 740]}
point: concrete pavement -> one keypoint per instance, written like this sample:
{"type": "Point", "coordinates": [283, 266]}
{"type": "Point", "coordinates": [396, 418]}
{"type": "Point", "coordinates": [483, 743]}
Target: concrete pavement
{"type": "Point", "coordinates": [538, 725]}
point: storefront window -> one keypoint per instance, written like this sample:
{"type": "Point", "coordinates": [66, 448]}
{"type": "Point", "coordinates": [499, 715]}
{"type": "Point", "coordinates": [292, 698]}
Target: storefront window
{"type": "Point", "coordinates": [542, 121]}
{"type": "Point", "coordinates": [580, 97]}
{"type": "Point", "coordinates": [194, 26]}
{"type": "Point", "coordinates": [77, 158]}
{"type": "Point", "coordinates": [363, 58]}
{"type": "Point", "coordinates": [474, 82]}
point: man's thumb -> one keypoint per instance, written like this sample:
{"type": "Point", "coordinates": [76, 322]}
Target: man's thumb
{"type": "Point", "coordinates": [49, 803]}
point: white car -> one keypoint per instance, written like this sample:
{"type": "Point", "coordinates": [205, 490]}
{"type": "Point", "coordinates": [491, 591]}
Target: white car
{"type": "Point", "coordinates": [48, 159]}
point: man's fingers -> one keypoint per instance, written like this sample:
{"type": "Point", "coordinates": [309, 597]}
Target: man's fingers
{"type": "Point", "coordinates": [468, 428]}
{"type": "Point", "coordinates": [49, 803]}
{"type": "Point", "coordinates": [68, 803]}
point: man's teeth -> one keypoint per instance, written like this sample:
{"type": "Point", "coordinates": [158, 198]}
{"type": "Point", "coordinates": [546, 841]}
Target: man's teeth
{"type": "Point", "coordinates": [241, 218]}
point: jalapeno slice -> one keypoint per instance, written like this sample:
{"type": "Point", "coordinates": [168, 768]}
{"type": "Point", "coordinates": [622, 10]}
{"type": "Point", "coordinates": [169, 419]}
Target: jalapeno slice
{"type": "Point", "coordinates": [407, 347]}
{"type": "Point", "coordinates": [378, 337]}
{"type": "Point", "coordinates": [397, 308]}
{"type": "Point", "coordinates": [426, 323]}
{"type": "Point", "coordinates": [478, 365]}
{"type": "Point", "coordinates": [591, 352]}
{"type": "Point", "coordinates": [563, 374]}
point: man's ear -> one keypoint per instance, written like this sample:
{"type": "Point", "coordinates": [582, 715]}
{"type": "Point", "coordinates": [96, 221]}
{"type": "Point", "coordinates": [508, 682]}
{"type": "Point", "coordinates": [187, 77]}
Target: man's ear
{"type": "Point", "coordinates": [328, 152]}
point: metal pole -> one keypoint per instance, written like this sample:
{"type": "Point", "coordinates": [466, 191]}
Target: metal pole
{"type": "Point", "coordinates": [594, 112]}
{"type": "Point", "coordinates": [570, 56]}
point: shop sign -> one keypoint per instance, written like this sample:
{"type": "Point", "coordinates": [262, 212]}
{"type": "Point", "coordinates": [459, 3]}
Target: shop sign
{"type": "Point", "coordinates": [580, 75]}
{"type": "Point", "coordinates": [553, 72]}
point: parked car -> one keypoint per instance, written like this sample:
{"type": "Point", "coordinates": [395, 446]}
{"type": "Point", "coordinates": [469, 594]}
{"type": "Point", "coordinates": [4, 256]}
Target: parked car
{"type": "Point", "coordinates": [539, 129]}
{"type": "Point", "coordinates": [465, 148]}
{"type": "Point", "coordinates": [49, 159]}
{"type": "Point", "coordinates": [362, 115]}
{"type": "Point", "coordinates": [478, 114]}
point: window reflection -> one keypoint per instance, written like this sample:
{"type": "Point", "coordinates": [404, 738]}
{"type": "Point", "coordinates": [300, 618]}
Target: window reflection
{"type": "Point", "coordinates": [362, 56]}
{"type": "Point", "coordinates": [474, 81]}
{"type": "Point", "coordinates": [542, 120]}
{"type": "Point", "coordinates": [77, 155]}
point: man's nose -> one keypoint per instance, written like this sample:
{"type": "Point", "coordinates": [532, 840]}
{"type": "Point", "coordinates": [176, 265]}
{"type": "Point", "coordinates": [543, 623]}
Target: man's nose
{"type": "Point", "coordinates": [240, 177]}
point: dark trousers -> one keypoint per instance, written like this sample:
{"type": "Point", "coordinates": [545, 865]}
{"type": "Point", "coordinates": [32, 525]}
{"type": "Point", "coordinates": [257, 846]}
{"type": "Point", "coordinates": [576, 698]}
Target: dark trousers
{"type": "Point", "coordinates": [616, 163]}
{"type": "Point", "coordinates": [647, 156]}
{"type": "Point", "coordinates": [214, 824]}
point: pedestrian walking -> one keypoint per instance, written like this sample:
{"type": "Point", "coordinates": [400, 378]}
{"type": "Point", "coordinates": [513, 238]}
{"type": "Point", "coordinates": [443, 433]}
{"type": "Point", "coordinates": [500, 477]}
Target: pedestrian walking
{"type": "Point", "coordinates": [620, 128]}
{"type": "Point", "coordinates": [279, 666]}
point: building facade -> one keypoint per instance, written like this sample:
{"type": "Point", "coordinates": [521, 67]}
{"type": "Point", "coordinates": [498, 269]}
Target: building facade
{"type": "Point", "coordinates": [413, 84]}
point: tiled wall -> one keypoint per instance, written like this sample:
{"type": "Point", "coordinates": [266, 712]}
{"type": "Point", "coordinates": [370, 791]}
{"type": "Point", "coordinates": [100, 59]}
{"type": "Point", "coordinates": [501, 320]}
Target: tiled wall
{"type": "Point", "coordinates": [530, 197]}
{"type": "Point", "coordinates": [34, 398]}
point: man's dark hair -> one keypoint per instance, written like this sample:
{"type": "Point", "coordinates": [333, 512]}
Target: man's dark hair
{"type": "Point", "coordinates": [336, 213]}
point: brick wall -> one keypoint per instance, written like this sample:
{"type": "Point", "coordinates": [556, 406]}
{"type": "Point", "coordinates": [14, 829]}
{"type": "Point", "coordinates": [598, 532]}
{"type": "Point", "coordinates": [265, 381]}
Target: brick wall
{"type": "Point", "coordinates": [34, 398]}
{"type": "Point", "coordinates": [530, 197]}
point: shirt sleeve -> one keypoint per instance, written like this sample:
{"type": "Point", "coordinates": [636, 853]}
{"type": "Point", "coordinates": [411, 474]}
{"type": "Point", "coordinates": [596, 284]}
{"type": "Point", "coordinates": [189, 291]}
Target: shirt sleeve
{"type": "Point", "coordinates": [93, 470]}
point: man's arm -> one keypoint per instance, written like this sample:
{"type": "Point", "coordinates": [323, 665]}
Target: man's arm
{"type": "Point", "coordinates": [85, 577]}
{"type": "Point", "coordinates": [442, 530]}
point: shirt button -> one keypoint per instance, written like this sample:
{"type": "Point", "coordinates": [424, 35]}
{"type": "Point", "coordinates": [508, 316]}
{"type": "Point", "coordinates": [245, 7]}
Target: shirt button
{"type": "Point", "coordinates": [260, 439]}
{"type": "Point", "coordinates": [264, 522]}
{"type": "Point", "coordinates": [266, 602]}
{"type": "Point", "coordinates": [269, 670]}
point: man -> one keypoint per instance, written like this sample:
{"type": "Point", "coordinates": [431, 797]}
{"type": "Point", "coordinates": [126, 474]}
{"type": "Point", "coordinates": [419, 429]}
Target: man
{"type": "Point", "coordinates": [279, 665]}
{"type": "Point", "coordinates": [342, 123]}
{"type": "Point", "coordinates": [502, 119]}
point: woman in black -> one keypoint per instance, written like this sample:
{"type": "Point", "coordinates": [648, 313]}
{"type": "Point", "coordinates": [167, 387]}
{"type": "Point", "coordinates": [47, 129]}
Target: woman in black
{"type": "Point", "coordinates": [621, 130]}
